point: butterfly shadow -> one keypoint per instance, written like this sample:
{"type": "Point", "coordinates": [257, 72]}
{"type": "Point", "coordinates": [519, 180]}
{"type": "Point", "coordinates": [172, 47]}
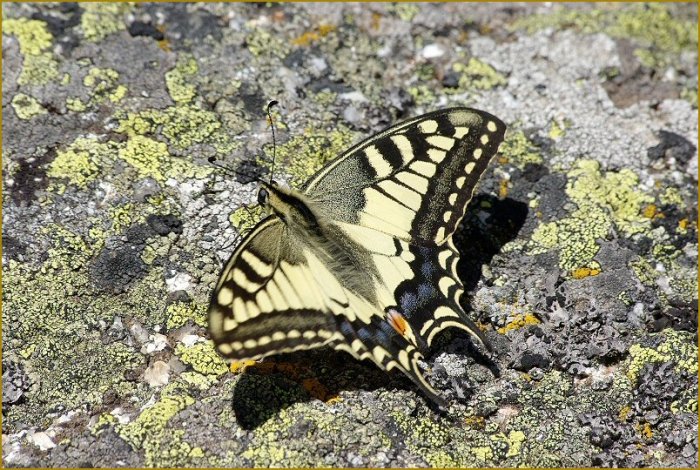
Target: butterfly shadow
{"type": "Point", "coordinates": [489, 223]}
{"type": "Point", "coordinates": [263, 390]}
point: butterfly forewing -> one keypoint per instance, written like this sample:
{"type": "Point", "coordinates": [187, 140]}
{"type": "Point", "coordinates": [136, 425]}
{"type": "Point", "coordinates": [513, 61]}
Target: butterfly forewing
{"type": "Point", "coordinates": [376, 277]}
{"type": "Point", "coordinates": [413, 180]}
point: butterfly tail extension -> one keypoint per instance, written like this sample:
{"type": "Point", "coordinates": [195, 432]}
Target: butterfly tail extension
{"type": "Point", "coordinates": [379, 342]}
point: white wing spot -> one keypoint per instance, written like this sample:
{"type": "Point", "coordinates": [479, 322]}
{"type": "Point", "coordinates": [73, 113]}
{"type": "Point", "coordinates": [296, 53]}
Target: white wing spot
{"type": "Point", "coordinates": [408, 197]}
{"type": "Point", "coordinates": [441, 141]}
{"type": "Point", "coordinates": [491, 126]}
{"type": "Point", "coordinates": [460, 182]}
{"type": "Point", "coordinates": [446, 216]}
{"type": "Point", "coordinates": [443, 311]}
{"type": "Point", "coordinates": [461, 132]}
{"type": "Point", "coordinates": [452, 199]}
{"type": "Point", "coordinates": [278, 336]}
{"type": "Point", "coordinates": [444, 284]}
{"type": "Point", "coordinates": [250, 343]}
{"type": "Point", "coordinates": [484, 139]}
{"type": "Point", "coordinates": [443, 257]}
{"type": "Point", "coordinates": [477, 154]}
{"type": "Point", "coordinates": [225, 349]}
{"type": "Point", "coordinates": [229, 324]}
{"type": "Point", "coordinates": [225, 296]}
{"type": "Point", "coordinates": [428, 127]}
{"type": "Point", "coordinates": [378, 162]}
{"type": "Point", "coordinates": [414, 181]}
{"type": "Point", "coordinates": [404, 146]}
{"type": "Point", "coordinates": [436, 155]}
{"type": "Point", "coordinates": [424, 168]}
{"type": "Point", "coordinates": [469, 167]}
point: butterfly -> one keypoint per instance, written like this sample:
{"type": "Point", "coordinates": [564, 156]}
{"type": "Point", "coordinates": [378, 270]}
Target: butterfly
{"type": "Point", "coordinates": [361, 258]}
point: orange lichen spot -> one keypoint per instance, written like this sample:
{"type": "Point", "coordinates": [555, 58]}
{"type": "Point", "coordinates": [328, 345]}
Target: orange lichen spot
{"type": "Point", "coordinates": [645, 430]}
{"type": "Point", "coordinates": [649, 211]}
{"type": "Point", "coordinates": [502, 160]}
{"type": "Point", "coordinates": [397, 321]}
{"type": "Point", "coordinates": [683, 224]}
{"type": "Point", "coordinates": [624, 413]}
{"type": "Point", "coordinates": [482, 326]}
{"type": "Point", "coordinates": [313, 36]}
{"type": "Point", "coordinates": [477, 422]}
{"type": "Point", "coordinates": [164, 44]}
{"type": "Point", "coordinates": [376, 21]}
{"type": "Point", "coordinates": [315, 388]}
{"type": "Point", "coordinates": [582, 273]}
{"type": "Point", "coordinates": [240, 366]}
{"type": "Point", "coordinates": [519, 321]}
{"type": "Point", "coordinates": [503, 189]}
{"type": "Point", "coordinates": [333, 399]}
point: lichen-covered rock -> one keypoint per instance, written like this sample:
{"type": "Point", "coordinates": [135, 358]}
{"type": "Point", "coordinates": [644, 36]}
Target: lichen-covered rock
{"type": "Point", "coordinates": [579, 250]}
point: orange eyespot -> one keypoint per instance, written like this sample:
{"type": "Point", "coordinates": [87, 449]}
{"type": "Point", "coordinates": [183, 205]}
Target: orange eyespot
{"type": "Point", "coordinates": [397, 321]}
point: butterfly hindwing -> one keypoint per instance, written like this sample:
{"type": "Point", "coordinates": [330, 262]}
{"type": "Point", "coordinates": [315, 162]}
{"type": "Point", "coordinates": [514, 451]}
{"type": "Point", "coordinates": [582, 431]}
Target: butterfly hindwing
{"type": "Point", "coordinates": [267, 300]}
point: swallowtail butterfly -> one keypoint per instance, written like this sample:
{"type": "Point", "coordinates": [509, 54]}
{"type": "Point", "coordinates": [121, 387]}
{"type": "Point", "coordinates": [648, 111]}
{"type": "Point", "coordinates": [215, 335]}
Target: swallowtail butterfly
{"type": "Point", "coordinates": [361, 259]}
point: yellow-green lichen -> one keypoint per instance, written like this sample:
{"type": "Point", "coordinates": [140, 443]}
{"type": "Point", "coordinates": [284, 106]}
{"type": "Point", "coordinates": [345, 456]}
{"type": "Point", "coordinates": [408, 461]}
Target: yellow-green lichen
{"type": "Point", "coordinates": [405, 11]}
{"type": "Point", "coordinates": [104, 85]}
{"type": "Point", "coordinates": [678, 347]}
{"type": "Point", "coordinates": [182, 125]}
{"type": "Point", "coordinates": [520, 321]}
{"type": "Point", "coordinates": [245, 217]}
{"type": "Point", "coordinates": [261, 42]}
{"type": "Point", "coordinates": [202, 358]}
{"type": "Point", "coordinates": [35, 41]}
{"type": "Point", "coordinates": [150, 432]}
{"type": "Point", "coordinates": [178, 80]}
{"type": "Point", "coordinates": [76, 105]}
{"type": "Point", "coordinates": [478, 75]}
{"type": "Point", "coordinates": [426, 438]}
{"type": "Point", "coordinates": [661, 35]}
{"type": "Point", "coordinates": [26, 107]}
{"type": "Point", "coordinates": [557, 130]}
{"type": "Point", "coordinates": [99, 20]}
{"type": "Point", "coordinates": [302, 156]}
{"type": "Point", "coordinates": [422, 94]}
{"type": "Point", "coordinates": [604, 200]}
{"type": "Point", "coordinates": [80, 162]}
{"type": "Point", "coordinates": [148, 156]}
{"type": "Point", "coordinates": [180, 312]}
{"type": "Point", "coordinates": [519, 151]}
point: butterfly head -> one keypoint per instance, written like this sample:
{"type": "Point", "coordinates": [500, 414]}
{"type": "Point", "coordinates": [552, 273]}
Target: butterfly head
{"type": "Point", "coordinates": [289, 205]}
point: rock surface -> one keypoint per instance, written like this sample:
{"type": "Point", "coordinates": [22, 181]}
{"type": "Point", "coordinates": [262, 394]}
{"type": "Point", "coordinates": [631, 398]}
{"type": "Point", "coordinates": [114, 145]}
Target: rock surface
{"type": "Point", "coordinates": [579, 251]}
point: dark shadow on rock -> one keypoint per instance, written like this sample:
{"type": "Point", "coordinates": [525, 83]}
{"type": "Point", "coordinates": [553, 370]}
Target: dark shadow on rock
{"type": "Point", "coordinates": [488, 224]}
{"type": "Point", "coordinates": [263, 390]}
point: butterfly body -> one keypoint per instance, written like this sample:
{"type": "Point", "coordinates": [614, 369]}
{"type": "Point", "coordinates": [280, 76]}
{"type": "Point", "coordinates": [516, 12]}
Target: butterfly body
{"type": "Point", "coordinates": [361, 259]}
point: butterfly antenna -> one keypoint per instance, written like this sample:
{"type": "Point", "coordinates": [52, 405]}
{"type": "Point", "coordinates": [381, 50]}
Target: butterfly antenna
{"type": "Point", "coordinates": [274, 143]}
